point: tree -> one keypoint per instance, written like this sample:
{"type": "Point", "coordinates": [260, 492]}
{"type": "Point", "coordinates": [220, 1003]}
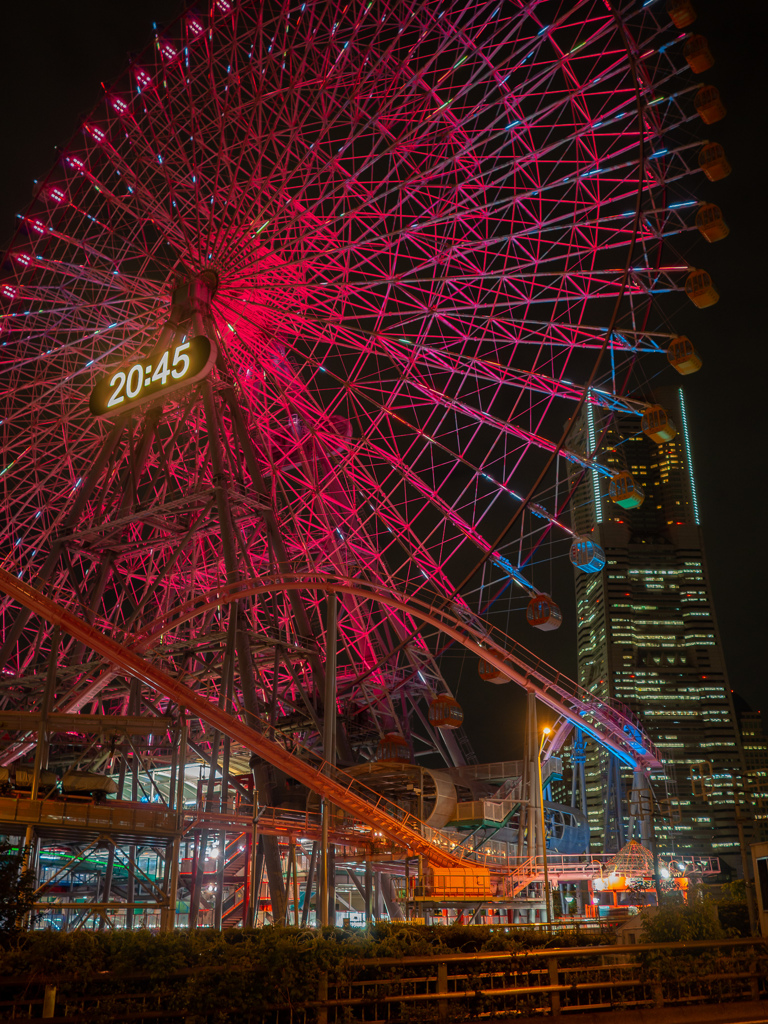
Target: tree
{"type": "Point", "coordinates": [17, 888]}
{"type": "Point", "coordinates": [684, 922]}
{"type": "Point", "coordinates": [732, 908]}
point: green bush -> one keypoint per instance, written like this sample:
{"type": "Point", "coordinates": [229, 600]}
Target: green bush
{"type": "Point", "coordinates": [732, 908]}
{"type": "Point", "coordinates": [684, 922]}
{"type": "Point", "coordinates": [698, 919]}
{"type": "Point", "coordinates": [236, 974]}
{"type": "Point", "coordinates": [16, 889]}
{"type": "Point", "coordinates": [282, 952]}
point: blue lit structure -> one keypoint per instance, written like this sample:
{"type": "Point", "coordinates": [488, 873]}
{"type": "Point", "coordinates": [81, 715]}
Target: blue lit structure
{"type": "Point", "coordinates": [586, 555]}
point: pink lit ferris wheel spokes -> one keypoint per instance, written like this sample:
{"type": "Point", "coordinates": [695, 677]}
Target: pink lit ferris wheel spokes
{"type": "Point", "coordinates": [418, 219]}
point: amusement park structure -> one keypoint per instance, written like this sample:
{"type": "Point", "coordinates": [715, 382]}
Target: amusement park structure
{"type": "Point", "coordinates": [289, 337]}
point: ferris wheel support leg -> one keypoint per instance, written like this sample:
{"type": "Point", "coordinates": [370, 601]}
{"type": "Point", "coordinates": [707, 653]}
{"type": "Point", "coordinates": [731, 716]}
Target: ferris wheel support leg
{"type": "Point", "coordinates": [614, 830]}
{"type": "Point", "coordinates": [300, 614]}
{"type": "Point", "coordinates": [310, 880]}
{"type": "Point", "coordinates": [269, 844]}
{"type": "Point", "coordinates": [109, 870]}
{"type": "Point", "coordinates": [258, 878]}
{"type": "Point", "coordinates": [128, 485]}
{"type": "Point", "coordinates": [261, 772]}
{"type": "Point", "coordinates": [394, 909]}
{"type": "Point", "coordinates": [224, 794]}
{"type": "Point", "coordinates": [368, 892]}
{"type": "Point", "coordinates": [528, 839]}
{"type": "Point", "coordinates": [578, 780]}
{"type": "Point", "coordinates": [51, 561]}
{"type": "Point", "coordinates": [327, 859]}
{"type": "Point", "coordinates": [132, 849]}
{"type": "Point", "coordinates": [378, 898]}
{"type": "Point", "coordinates": [322, 888]}
{"type": "Point", "coordinates": [199, 878]}
{"type": "Point", "coordinates": [173, 849]}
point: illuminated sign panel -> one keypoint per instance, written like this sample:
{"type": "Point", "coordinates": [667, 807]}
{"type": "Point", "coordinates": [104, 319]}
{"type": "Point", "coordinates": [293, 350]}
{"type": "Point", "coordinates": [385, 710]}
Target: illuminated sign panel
{"type": "Point", "coordinates": [162, 373]}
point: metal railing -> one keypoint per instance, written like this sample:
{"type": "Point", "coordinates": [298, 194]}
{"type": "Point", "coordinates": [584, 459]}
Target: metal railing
{"type": "Point", "coordinates": [108, 816]}
{"type": "Point", "coordinates": [546, 982]}
{"type": "Point", "coordinates": [448, 987]}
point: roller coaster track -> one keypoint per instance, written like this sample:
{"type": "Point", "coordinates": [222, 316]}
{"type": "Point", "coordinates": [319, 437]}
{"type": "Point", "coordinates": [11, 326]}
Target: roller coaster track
{"type": "Point", "coordinates": [610, 723]}
{"type": "Point", "coordinates": [600, 720]}
{"type": "Point", "coordinates": [328, 781]}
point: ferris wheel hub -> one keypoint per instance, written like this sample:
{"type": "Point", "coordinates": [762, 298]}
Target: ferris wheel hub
{"type": "Point", "coordinates": [196, 292]}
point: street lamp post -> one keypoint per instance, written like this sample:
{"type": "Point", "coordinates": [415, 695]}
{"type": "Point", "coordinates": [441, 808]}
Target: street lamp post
{"type": "Point", "coordinates": [547, 896]}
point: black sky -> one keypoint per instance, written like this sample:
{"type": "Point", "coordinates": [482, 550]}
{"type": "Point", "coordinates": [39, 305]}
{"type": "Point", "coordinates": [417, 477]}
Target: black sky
{"type": "Point", "coordinates": [55, 55]}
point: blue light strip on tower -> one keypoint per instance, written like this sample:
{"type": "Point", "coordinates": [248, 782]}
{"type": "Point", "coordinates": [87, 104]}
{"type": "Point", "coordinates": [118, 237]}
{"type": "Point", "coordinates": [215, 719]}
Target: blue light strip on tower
{"type": "Point", "coordinates": [689, 457]}
{"type": "Point", "coordinates": [595, 474]}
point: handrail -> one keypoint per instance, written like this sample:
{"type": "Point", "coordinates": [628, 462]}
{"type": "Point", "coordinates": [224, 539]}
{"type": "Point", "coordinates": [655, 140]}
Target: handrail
{"type": "Point", "coordinates": [556, 979]}
{"type": "Point", "coordinates": [566, 951]}
{"type": "Point", "coordinates": [546, 953]}
{"type": "Point", "coordinates": [109, 815]}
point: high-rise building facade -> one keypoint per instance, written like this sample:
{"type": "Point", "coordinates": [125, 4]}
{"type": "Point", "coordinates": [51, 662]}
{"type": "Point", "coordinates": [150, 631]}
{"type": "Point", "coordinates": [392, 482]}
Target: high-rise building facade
{"type": "Point", "coordinates": [755, 744]}
{"type": "Point", "coordinates": [647, 635]}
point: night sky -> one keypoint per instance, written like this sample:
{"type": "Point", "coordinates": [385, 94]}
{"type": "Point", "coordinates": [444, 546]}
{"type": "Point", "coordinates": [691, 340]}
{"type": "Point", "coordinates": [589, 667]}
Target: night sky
{"type": "Point", "coordinates": [55, 55]}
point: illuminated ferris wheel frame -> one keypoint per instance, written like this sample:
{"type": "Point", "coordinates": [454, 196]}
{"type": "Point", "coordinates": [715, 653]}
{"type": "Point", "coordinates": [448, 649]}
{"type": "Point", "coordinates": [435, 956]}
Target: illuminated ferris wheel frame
{"type": "Point", "coordinates": [421, 223]}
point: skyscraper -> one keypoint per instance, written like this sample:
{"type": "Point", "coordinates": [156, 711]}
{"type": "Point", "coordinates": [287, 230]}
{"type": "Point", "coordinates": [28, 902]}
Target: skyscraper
{"type": "Point", "coordinates": [755, 744]}
{"type": "Point", "coordinates": [647, 635]}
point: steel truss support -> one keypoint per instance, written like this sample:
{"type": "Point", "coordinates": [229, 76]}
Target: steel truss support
{"type": "Point", "coordinates": [529, 839]}
{"type": "Point", "coordinates": [614, 827]}
{"type": "Point", "coordinates": [641, 810]}
{"type": "Point", "coordinates": [102, 901]}
{"type": "Point", "coordinates": [310, 881]}
{"type": "Point", "coordinates": [368, 893]}
{"type": "Point", "coordinates": [578, 779]}
{"type": "Point", "coordinates": [326, 892]}
{"type": "Point", "coordinates": [168, 919]}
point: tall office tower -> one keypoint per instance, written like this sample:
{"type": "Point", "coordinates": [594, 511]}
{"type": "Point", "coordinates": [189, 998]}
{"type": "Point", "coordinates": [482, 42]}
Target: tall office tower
{"type": "Point", "coordinates": [755, 744]}
{"type": "Point", "coordinates": [647, 636]}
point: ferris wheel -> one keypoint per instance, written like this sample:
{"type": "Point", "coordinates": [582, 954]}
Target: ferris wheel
{"type": "Point", "coordinates": [312, 294]}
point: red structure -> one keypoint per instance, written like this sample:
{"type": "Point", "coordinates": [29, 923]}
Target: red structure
{"type": "Point", "coordinates": [289, 335]}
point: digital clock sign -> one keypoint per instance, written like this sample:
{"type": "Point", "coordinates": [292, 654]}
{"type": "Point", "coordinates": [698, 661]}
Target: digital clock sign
{"type": "Point", "coordinates": [162, 373]}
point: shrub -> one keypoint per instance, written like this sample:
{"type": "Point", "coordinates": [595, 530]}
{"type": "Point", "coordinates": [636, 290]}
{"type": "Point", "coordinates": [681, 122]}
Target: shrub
{"type": "Point", "coordinates": [732, 908]}
{"type": "Point", "coordinates": [684, 922]}
{"type": "Point", "coordinates": [17, 887]}
{"type": "Point", "coordinates": [235, 975]}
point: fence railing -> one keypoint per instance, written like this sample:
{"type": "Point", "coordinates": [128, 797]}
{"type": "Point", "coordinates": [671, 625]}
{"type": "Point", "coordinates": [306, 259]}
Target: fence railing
{"type": "Point", "coordinates": [108, 816]}
{"type": "Point", "coordinates": [460, 986]}
{"type": "Point", "coordinates": [545, 982]}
